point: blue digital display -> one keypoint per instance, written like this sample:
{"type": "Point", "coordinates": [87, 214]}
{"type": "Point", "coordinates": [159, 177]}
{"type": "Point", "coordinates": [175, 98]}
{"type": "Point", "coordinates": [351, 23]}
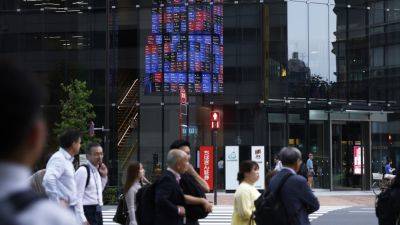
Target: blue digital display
{"type": "Point", "coordinates": [185, 48]}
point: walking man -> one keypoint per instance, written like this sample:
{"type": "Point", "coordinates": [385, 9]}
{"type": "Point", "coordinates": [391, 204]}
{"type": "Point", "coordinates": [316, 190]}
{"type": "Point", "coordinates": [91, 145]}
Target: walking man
{"type": "Point", "coordinates": [59, 180]}
{"type": "Point", "coordinates": [22, 145]}
{"type": "Point", "coordinates": [169, 198]}
{"type": "Point", "coordinates": [194, 188]}
{"type": "Point", "coordinates": [295, 193]}
{"type": "Point", "coordinates": [91, 179]}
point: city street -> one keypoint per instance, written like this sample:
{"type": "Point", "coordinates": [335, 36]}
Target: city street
{"type": "Point", "coordinates": [348, 216]}
{"type": "Point", "coordinates": [337, 208]}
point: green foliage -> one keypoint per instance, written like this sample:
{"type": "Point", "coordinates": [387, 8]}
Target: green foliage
{"type": "Point", "coordinates": [76, 110]}
{"type": "Point", "coordinates": [110, 195]}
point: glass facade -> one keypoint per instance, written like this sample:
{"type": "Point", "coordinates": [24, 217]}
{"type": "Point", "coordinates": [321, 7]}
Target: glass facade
{"type": "Point", "coordinates": [321, 75]}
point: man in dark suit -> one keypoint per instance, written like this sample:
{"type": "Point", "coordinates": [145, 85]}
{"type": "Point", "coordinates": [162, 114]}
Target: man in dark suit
{"type": "Point", "coordinates": [295, 194]}
{"type": "Point", "coordinates": [169, 198]}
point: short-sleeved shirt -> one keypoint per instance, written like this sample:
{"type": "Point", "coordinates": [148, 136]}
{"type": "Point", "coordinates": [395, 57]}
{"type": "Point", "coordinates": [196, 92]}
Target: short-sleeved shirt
{"type": "Point", "coordinates": [310, 165]}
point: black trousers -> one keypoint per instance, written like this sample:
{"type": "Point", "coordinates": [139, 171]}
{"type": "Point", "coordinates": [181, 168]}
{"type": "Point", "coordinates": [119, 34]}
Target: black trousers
{"type": "Point", "coordinates": [93, 214]}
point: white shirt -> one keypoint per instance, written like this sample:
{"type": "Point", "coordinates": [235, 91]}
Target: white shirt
{"type": "Point", "coordinates": [278, 166]}
{"type": "Point", "coordinates": [14, 178]}
{"type": "Point", "coordinates": [59, 180]}
{"type": "Point", "coordinates": [130, 197]}
{"type": "Point", "coordinates": [93, 193]}
{"type": "Point", "coordinates": [176, 174]}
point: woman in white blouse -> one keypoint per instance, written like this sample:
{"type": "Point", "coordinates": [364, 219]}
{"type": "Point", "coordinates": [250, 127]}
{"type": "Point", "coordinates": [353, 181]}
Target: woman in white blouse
{"type": "Point", "coordinates": [134, 176]}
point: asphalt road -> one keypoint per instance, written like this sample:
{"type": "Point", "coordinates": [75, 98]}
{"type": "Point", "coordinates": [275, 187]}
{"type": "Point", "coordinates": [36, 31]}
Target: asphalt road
{"type": "Point", "coordinates": [348, 216]}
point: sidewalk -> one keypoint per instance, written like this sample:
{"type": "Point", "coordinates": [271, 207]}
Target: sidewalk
{"type": "Point", "coordinates": [326, 198]}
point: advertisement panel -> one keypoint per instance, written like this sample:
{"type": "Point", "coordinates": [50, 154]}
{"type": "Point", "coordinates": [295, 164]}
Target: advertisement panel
{"type": "Point", "coordinates": [231, 167]}
{"type": "Point", "coordinates": [258, 155]}
{"type": "Point", "coordinates": [207, 164]}
{"type": "Point", "coordinates": [358, 151]}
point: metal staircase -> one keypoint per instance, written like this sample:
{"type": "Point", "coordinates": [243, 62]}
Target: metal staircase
{"type": "Point", "coordinates": [127, 121]}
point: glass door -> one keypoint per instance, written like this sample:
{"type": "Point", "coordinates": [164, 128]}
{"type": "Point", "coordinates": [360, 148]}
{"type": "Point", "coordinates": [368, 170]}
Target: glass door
{"type": "Point", "coordinates": [350, 154]}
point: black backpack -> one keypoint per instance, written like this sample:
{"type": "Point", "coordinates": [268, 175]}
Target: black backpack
{"type": "Point", "coordinates": [88, 174]}
{"type": "Point", "coordinates": [15, 204]}
{"type": "Point", "coordinates": [145, 205]}
{"type": "Point", "coordinates": [386, 213]}
{"type": "Point", "coordinates": [269, 207]}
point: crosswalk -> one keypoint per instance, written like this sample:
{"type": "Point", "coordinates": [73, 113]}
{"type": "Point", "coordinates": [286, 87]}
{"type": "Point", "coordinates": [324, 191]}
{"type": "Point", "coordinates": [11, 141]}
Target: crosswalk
{"type": "Point", "coordinates": [222, 215]}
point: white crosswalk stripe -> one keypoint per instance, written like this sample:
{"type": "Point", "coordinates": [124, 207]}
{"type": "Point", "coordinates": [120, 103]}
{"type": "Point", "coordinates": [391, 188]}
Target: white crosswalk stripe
{"type": "Point", "coordinates": [222, 215]}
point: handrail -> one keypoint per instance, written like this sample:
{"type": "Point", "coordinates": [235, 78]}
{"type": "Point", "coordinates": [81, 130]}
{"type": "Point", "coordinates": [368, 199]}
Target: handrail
{"type": "Point", "coordinates": [127, 93]}
{"type": "Point", "coordinates": [134, 119]}
{"type": "Point", "coordinates": [128, 117]}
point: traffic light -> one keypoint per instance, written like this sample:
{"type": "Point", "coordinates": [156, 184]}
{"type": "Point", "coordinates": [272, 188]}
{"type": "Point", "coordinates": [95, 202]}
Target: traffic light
{"type": "Point", "coordinates": [215, 120]}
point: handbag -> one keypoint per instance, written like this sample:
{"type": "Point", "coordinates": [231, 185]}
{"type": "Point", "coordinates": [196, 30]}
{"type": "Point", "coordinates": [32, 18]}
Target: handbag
{"type": "Point", "coordinates": [121, 215]}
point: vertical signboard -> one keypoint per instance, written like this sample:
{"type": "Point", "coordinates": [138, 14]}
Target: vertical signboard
{"type": "Point", "coordinates": [358, 151]}
{"type": "Point", "coordinates": [257, 155]}
{"type": "Point", "coordinates": [207, 164]}
{"type": "Point", "coordinates": [231, 167]}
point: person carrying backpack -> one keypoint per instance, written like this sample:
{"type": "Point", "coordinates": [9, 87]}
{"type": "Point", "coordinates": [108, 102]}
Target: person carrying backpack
{"type": "Point", "coordinates": [387, 207]}
{"type": "Point", "coordinates": [246, 194]}
{"type": "Point", "coordinates": [91, 179]}
{"type": "Point", "coordinates": [22, 144]}
{"type": "Point", "coordinates": [292, 197]}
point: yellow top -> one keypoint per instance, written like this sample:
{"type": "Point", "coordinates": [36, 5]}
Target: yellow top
{"type": "Point", "coordinates": [243, 206]}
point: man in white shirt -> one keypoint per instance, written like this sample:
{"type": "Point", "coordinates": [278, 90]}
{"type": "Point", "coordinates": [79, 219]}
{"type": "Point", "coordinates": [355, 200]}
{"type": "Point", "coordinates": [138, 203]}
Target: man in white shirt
{"type": "Point", "coordinates": [91, 179]}
{"type": "Point", "coordinates": [21, 146]}
{"type": "Point", "coordinates": [59, 180]}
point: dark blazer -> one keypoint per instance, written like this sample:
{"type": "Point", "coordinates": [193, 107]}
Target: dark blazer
{"type": "Point", "coordinates": [168, 195]}
{"type": "Point", "coordinates": [296, 196]}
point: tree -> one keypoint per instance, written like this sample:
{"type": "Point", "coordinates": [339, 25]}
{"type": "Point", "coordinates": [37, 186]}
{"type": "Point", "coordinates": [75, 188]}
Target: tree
{"type": "Point", "coordinates": [76, 110]}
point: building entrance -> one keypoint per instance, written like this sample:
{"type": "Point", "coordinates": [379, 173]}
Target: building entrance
{"type": "Point", "coordinates": [350, 155]}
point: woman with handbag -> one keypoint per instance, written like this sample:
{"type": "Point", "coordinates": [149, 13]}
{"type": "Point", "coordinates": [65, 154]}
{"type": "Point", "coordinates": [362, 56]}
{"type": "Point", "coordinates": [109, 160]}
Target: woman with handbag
{"type": "Point", "coordinates": [134, 177]}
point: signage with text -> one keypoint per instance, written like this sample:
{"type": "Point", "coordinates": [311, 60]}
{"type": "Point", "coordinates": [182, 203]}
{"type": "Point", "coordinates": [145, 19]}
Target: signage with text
{"type": "Point", "coordinates": [231, 167]}
{"type": "Point", "coordinates": [207, 164]}
{"type": "Point", "coordinates": [257, 155]}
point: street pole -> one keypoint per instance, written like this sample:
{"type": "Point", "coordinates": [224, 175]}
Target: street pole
{"type": "Point", "coordinates": [214, 143]}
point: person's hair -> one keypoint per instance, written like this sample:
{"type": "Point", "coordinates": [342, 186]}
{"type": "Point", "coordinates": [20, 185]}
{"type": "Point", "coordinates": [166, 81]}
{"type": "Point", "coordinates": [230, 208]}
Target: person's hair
{"type": "Point", "coordinates": [174, 156]}
{"type": "Point", "coordinates": [246, 167]}
{"type": "Point", "coordinates": [90, 147]}
{"type": "Point", "coordinates": [289, 156]}
{"type": "Point", "coordinates": [132, 174]}
{"type": "Point", "coordinates": [21, 97]}
{"type": "Point", "coordinates": [179, 144]}
{"type": "Point", "coordinates": [69, 137]}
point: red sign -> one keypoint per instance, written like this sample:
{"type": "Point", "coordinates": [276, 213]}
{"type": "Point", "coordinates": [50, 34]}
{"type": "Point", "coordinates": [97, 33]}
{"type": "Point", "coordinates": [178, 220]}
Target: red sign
{"type": "Point", "coordinates": [207, 164]}
{"type": "Point", "coordinates": [358, 152]}
{"type": "Point", "coordinates": [182, 96]}
{"type": "Point", "coordinates": [215, 120]}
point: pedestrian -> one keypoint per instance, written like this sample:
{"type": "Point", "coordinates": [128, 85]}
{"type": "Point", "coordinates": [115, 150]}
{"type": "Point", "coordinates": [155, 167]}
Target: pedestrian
{"type": "Point", "coordinates": [169, 197]}
{"type": "Point", "coordinates": [91, 179]}
{"type": "Point", "coordinates": [388, 204]}
{"type": "Point", "coordinates": [389, 170]}
{"type": "Point", "coordinates": [59, 179]}
{"type": "Point", "coordinates": [221, 171]}
{"type": "Point", "coordinates": [22, 144]}
{"type": "Point", "coordinates": [246, 194]}
{"type": "Point", "coordinates": [194, 188]}
{"type": "Point", "coordinates": [310, 169]}
{"type": "Point", "coordinates": [295, 194]}
{"type": "Point", "coordinates": [278, 163]}
{"type": "Point", "coordinates": [134, 176]}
